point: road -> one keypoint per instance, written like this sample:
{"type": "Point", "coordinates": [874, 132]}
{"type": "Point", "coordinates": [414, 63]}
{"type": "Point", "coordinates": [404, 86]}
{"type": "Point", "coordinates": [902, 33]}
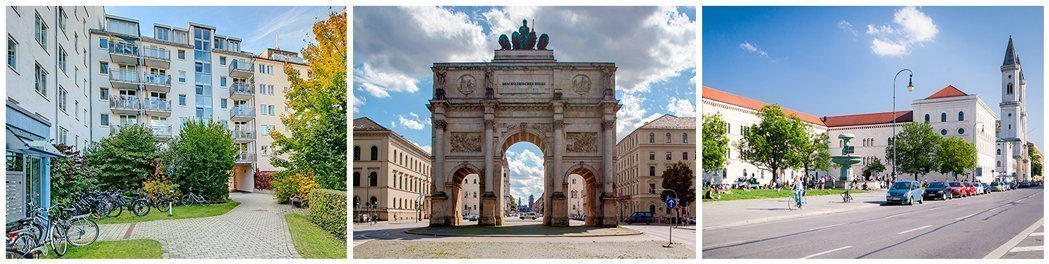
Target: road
{"type": "Point", "coordinates": [960, 228]}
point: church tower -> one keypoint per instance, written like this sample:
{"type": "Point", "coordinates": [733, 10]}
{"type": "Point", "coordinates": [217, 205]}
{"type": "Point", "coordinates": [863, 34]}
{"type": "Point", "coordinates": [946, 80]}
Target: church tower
{"type": "Point", "coordinates": [1013, 124]}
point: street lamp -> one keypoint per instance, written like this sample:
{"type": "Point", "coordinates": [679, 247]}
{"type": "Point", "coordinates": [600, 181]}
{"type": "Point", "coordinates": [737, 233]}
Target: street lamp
{"type": "Point", "coordinates": [976, 146]}
{"type": "Point", "coordinates": [910, 88]}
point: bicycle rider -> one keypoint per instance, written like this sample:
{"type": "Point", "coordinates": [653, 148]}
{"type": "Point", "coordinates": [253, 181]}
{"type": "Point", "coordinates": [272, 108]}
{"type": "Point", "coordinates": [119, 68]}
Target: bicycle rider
{"type": "Point", "coordinates": [799, 189]}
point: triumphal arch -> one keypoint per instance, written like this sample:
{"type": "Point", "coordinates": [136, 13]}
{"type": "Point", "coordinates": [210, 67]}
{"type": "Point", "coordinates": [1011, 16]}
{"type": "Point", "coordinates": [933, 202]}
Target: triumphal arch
{"type": "Point", "coordinates": [479, 109]}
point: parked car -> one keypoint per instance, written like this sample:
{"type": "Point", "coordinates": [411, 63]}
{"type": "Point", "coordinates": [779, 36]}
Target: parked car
{"type": "Point", "coordinates": [977, 188]}
{"type": "Point", "coordinates": [1025, 184]}
{"type": "Point", "coordinates": [997, 187]}
{"type": "Point", "coordinates": [986, 187]}
{"type": "Point", "coordinates": [472, 217]}
{"type": "Point", "coordinates": [938, 190]}
{"type": "Point", "coordinates": [640, 217]}
{"type": "Point", "coordinates": [904, 192]}
{"type": "Point", "coordinates": [957, 189]}
{"type": "Point", "coordinates": [970, 190]}
{"type": "Point", "coordinates": [1012, 185]}
{"type": "Point", "coordinates": [530, 215]}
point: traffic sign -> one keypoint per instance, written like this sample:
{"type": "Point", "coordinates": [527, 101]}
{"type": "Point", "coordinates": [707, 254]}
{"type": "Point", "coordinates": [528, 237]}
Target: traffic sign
{"type": "Point", "coordinates": [671, 203]}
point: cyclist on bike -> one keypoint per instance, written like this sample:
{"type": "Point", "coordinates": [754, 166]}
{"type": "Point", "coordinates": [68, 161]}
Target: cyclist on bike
{"type": "Point", "coordinates": [799, 189]}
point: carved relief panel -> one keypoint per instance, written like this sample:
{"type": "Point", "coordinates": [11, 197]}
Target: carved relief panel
{"type": "Point", "coordinates": [465, 142]}
{"type": "Point", "coordinates": [581, 141]}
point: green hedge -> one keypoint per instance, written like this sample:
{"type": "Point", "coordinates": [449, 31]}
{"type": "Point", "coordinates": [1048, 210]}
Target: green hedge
{"type": "Point", "coordinates": [328, 210]}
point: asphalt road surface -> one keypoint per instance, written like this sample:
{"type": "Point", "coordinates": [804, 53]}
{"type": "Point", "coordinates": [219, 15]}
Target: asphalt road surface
{"type": "Point", "coordinates": [970, 228]}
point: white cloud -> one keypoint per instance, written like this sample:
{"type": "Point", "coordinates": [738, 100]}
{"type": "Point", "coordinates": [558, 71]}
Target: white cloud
{"type": "Point", "coordinates": [357, 103]}
{"type": "Point", "coordinates": [427, 148]}
{"type": "Point", "coordinates": [747, 46]}
{"type": "Point", "coordinates": [681, 107]}
{"type": "Point", "coordinates": [412, 122]}
{"type": "Point", "coordinates": [912, 28]}
{"type": "Point", "coordinates": [380, 84]}
{"type": "Point", "coordinates": [847, 27]}
{"type": "Point", "coordinates": [525, 172]}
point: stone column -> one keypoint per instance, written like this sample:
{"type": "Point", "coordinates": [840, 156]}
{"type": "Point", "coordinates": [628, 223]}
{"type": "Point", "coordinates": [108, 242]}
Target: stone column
{"type": "Point", "coordinates": [607, 206]}
{"type": "Point", "coordinates": [440, 212]}
{"type": "Point", "coordinates": [558, 201]}
{"type": "Point", "coordinates": [488, 199]}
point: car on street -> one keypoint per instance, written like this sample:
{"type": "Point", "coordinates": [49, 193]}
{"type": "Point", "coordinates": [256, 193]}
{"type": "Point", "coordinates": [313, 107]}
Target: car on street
{"type": "Point", "coordinates": [1012, 186]}
{"type": "Point", "coordinates": [986, 187]}
{"type": "Point", "coordinates": [640, 217]}
{"type": "Point", "coordinates": [957, 189]}
{"type": "Point", "coordinates": [528, 215]}
{"type": "Point", "coordinates": [970, 190]}
{"type": "Point", "coordinates": [904, 192]}
{"type": "Point", "coordinates": [977, 188]}
{"type": "Point", "coordinates": [997, 187]}
{"type": "Point", "coordinates": [1025, 184]}
{"type": "Point", "coordinates": [472, 217]}
{"type": "Point", "coordinates": [938, 190]}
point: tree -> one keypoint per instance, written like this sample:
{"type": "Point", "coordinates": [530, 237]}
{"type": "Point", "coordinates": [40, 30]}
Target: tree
{"type": "Point", "coordinates": [679, 177]}
{"type": "Point", "coordinates": [715, 143]}
{"type": "Point", "coordinates": [874, 167]}
{"type": "Point", "coordinates": [124, 160]}
{"type": "Point", "coordinates": [316, 122]}
{"type": "Point", "coordinates": [812, 152]}
{"type": "Point", "coordinates": [954, 154]}
{"type": "Point", "coordinates": [1036, 159]}
{"type": "Point", "coordinates": [70, 175]}
{"type": "Point", "coordinates": [201, 158]}
{"type": "Point", "coordinates": [771, 143]}
{"type": "Point", "coordinates": [916, 145]}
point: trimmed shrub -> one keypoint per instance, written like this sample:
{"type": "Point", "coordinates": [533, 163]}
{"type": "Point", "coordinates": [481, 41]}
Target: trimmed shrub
{"type": "Point", "coordinates": [298, 183]}
{"type": "Point", "coordinates": [328, 210]}
{"type": "Point", "coordinates": [161, 187]}
{"type": "Point", "coordinates": [201, 159]}
{"type": "Point", "coordinates": [69, 176]}
{"type": "Point", "coordinates": [125, 159]}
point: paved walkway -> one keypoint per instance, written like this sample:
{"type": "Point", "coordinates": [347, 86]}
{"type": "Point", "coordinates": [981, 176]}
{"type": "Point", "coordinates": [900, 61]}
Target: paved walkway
{"type": "Point", "coordinates": [253, 230]}
{"type": "Point", "coordinates": [724, 214]}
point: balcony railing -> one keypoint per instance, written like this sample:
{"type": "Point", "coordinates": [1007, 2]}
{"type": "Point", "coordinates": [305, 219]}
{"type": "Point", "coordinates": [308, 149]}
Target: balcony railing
{"type": "Point", "coordinates": [241, 88]}
{"type": "Point", "coordinates": [157, 104]}
{"type": "Point", "coordinates": [161, 130]}
{"type": "Point", "coordinates": [158, 79]}
{"type": "Point", "coordinates": [124, 48]}
{"type": "Point", "coordinates": [156, 53]}
{"type": "Point", "coordinates": [242, 111]}
{"type": "Point", "coordinates": [115, 128]}
{"type": "Point", "coordinates": [243, 133]}
{"type": "Point", "coordinates": [245, 156]}
{"type": "Point", "coordinates": [124, 102]}
{"type": "Point", "coordinates": [124, 76]}
{"type": "Point", "coordinates": [238, 65]}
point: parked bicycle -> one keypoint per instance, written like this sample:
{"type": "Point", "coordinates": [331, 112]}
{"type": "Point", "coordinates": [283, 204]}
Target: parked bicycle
{"type": "Point", "coordinates": [45, 228]}
{"type": "Point", "coordinates": [192, 198]}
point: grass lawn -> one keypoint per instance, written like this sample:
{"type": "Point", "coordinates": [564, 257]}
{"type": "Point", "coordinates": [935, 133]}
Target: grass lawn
{"type": "Point", "coordinates": [311, 241]}
{"type": "Point", "coordinates": [772, 193]}
{"type": "Point", "coordinates": [179, 212]}
{"type": "Point", "coordinates": [120, 249]}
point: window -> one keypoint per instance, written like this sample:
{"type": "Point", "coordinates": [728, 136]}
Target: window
{"type": "Point", "coordinates": [356, 179]}
{"type": "Point", "coordinates": [356, 152]}
{"type": "Point", "coordinates": [62, 95]}
{"type": "Point", "coordinates": [103, 94]}
{"type": "Point", "coordinates": [182, 99]}
{"type": "Point", "coordinates": [668, 138]}
{"type": "Point", "coordinates": [63, 135]}
{"type": "Point", "coordinates": [103, 43]}
{"type": "Point", "coordinates": [668, 155]}
{"type": "Point", "coordinates": [375, 153]}
{"type": "Point", "coordinates": [182, 54]}
{"type": "Point", "coordinates": [651, 137]}
{"type": "Point", "coordinates": [961, 116]}
{"type": "Point", "coordinates": [41, 80]}
{"type": "Point", "coordinates": [926, 118]}
{"type": "Point", "coordinates": [943, 132]}
{"type": "Point", "coordinates": [651, 156]}
{"type": "Point", "coordinates": [41, 31]}
{"type": "Point", "coordinates": [62, 58]}
{"type": "Point", "coordinates": [961, 131]}
{"type": "Point", "coordinates": [684, 155]}
{"type": "Point", "coordinates": [373, 179]}
{"type": "Point", "coordinates": [222, 81]}
{"type": "Point", "coordinates": [62, 19]}
{"type": "Point", "coordinates": [943, 117]}
{"type": "Point", "coordinates": [104, 119]}
{"type": "Point", "coordinates": [999, 151]}
{"type": "Point", "coordinates": [222, 103]}
{"type": "Point", "coordinates": [1009, 88]}
{"type": "Point", "coordinates": [12, 52]}
{"type": "Point", "coordinates": [222, 60]}
{"type": "Point", "coordinates": [684, 138]}
{"type": "Point", "coordinates": [651, 170]}
{"type": "Point", "coordinates": [182, 76]}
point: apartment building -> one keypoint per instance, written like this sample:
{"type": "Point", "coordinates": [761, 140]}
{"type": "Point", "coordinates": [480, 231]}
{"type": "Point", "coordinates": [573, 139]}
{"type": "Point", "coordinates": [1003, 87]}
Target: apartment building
{"type": "Point", "coordinates": [272, 84]}
{"type": "Point", "coordinates": [391, 175]}
{"type": "Point", "coordinates": [643, 156]}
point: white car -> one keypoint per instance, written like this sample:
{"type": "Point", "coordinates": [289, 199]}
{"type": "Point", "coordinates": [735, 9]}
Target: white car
{"type": "Point", "coordinates": [530, 215]}
{"type": "Point", "coordinates": [979, 188]}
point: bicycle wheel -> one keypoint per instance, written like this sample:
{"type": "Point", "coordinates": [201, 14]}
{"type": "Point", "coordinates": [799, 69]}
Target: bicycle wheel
{"type": "Point", "coordinates": [22, 243]}
{"type": "Point", "coordinates": [791, 202]}
{"type": "Point", "coordinates": [187, 200]}
{"type": "Point", "coordinates": [99, 211]}
{"type": "Point", "coordinates": [82, 232]}
{"type": "Point", "coordinates": [163, 204]}
{"type": "Point", "coordinates": [116, 211]}
{"type": "Point", "coordinates": [59, 242]}
{"type": "Point", "coordinates": [140, 207]}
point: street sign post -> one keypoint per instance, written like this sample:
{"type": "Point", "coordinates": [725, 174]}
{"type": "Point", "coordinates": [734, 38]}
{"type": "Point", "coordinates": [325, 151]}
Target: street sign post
{"type": "Point", "coordinates": [671, 203]}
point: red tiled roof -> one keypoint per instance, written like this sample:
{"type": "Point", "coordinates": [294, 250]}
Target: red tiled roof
{"type": "Point", "coordinates": [724, 97]}
{"type": "Point", "coordinates": [868, 119]}
{"type": "Point", "coordinates": [948, 91]}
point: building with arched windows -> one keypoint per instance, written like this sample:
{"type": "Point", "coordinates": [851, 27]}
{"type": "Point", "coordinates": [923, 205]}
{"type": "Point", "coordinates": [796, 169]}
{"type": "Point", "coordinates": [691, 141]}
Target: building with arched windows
{"type": "Point", "coordinates": [642, 157]}
{"type": "Point", "coordinates": [391, 175]}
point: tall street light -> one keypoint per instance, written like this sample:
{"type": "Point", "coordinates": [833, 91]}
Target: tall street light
{"type": "Point", "coordinates": [910, 87]}
{"type": "Point", "coordinates": [976, 146]}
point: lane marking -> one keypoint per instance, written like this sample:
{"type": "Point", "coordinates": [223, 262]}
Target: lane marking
{"type": "Point", "coordinates": [823, 227]}
{"type": "Point", "coordinates": [1038, 234]}
{"type": "Point", "coordinates": [914, 229]}
{"type": "Point", "coordinates": [825, 252]}
{"type": "Point", "coordinates": [727, 244]}
{"type": "Point", "coordinates": [964, 217]}
{"type": "Point", "coordinates": [1017, 201]}
{"type": "Point", "coordinates": [1004, 248]}
{"type": "Point", "coordinates": [1025, 249]}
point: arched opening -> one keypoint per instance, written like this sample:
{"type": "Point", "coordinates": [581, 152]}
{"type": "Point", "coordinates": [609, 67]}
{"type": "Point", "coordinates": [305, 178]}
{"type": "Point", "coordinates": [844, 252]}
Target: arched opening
{"type": "Point", "coordinates": [582, 182]}
{"type": "Point", "coordinates": [461, 191]}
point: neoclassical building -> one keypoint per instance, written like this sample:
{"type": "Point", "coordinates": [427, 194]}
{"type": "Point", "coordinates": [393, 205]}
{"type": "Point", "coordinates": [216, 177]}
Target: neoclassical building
{"type": "Point", "coordinates": [643, 156]}
{"type": "Point", "coordinates": [391, 175]}
{"type": "Point", "coordinates": [1000, 143]}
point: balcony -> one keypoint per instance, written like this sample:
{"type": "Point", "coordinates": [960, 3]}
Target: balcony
{"type": "Point", "coordinates": [124, 79]}
{"type": "Point", "coordinates": [124, 52]}
{"type": "Point", "coordinates": [157, 57]}
{"type": "Point", "coordinates": [242, 113]}
{"type": "Point", "coordinates": [157, 82]}
{"type": "Point", "coordinates": [241, 69]}
{"type": "Point", "coordinates": [157, 107]}
{"type": "Point", "coordinates": [162, 131]}
{"type": "Point", "coordinates": [245, 157]}
{"type": "Point", "coordinates": [243, 134]}
{"type": "Point", "coordinates": [125, 104]}
{"type": "Point", "coordinates": [115, 128]}
{"type": "Point", "coordinates": [241, 91]}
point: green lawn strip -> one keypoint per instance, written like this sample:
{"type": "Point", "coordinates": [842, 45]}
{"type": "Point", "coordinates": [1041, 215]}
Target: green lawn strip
{"type": "Point", "coordinates": [772, 193]}
{"type": "Point", "coordinates": [179, 212]}
{"type": "Point", "coordinates": [311, 241]}
{"type": "Point", "coordinates": [120, 249]}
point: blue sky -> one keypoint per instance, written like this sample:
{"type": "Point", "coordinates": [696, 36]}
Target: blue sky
{"type": "Point", "coordinates": [394, 48]}
{"type": "Point", "coordinates": [841, 60]}
{"type": "Point", "coordinates": [257, 27]}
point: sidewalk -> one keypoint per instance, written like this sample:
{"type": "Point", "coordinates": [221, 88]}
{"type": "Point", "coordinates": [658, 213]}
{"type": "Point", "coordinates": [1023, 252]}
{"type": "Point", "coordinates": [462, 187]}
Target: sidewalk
{"type": "Point", "coordinates": [743, 212]}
